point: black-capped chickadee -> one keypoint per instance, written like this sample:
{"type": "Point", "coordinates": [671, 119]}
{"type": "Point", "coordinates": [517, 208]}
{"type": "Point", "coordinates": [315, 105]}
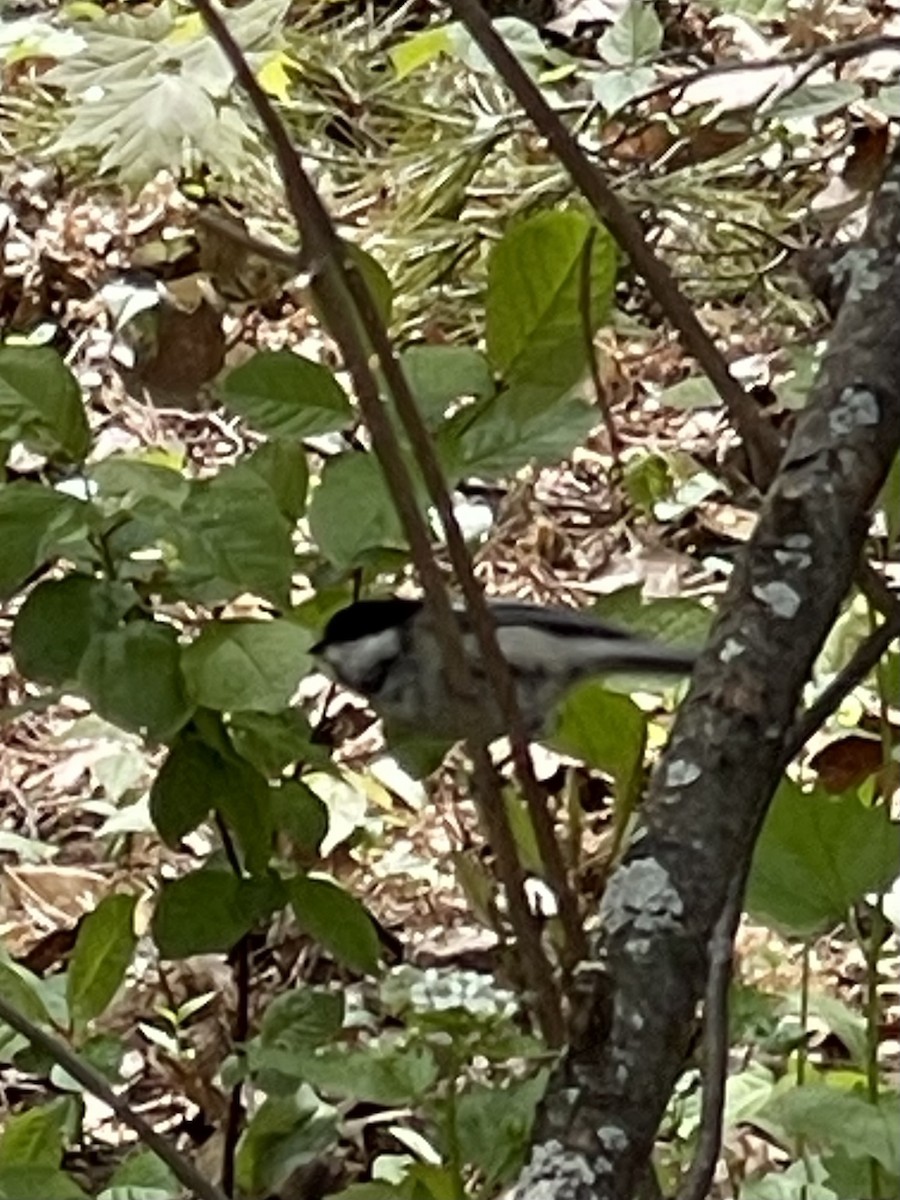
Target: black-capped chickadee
{"type": "Point", "coordinates": [388, 652]}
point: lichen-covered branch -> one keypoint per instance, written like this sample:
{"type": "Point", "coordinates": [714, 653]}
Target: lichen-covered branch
{"type": "Point", "coordinates": [726, 754]}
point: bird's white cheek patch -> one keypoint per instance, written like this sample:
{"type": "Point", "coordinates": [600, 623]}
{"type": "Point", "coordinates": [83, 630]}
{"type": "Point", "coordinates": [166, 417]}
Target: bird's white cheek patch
{"type": "Point", "coordinates": [355, 662]}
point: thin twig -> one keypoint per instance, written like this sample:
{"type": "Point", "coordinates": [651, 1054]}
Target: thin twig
{"type": "Point", "coordinates": [866, 658]}
{"type": "Point", "coordinates": [587, 329]}
{"type": "Point", "coordinates": [347, 304]}
{"type": "Point", "coordinates": [95, 1083]}
{"type": "Point", "coordinates": [761, 440]}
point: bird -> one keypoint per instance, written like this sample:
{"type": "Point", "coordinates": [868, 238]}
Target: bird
{"type": "Point", "coordinates": [387, 651]}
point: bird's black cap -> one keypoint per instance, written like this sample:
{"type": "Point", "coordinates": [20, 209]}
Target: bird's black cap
{"type": "Point", "coordinates": [365, 617]}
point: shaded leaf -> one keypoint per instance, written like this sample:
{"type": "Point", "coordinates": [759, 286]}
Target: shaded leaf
{"type": "Point", "coordinates": [816, 857]}
{"type": "Point", "coordinates": [132, 677]}
{"type": "Point", "coordinates": [285, 395]}
{"type": "Point", "coordinates": [36, 524]}
{"type": "Point", "coordinates": [534, 323]}
{"type": "Point", "coordinates": [285, 1133]}
{"type": "Point", "coordinates": [41, 404]}
{"type": "Point", "coordinates": [337, 920]}
{"type": "Point", "coordinates": [440, 375]}
{"type": "Point", "coordinates": [351, 510]}
{"type": "Point", "coordinates": [103, 952]}
{"type": "Point", "coordinates": [238, 666]}
{"type": "Point", "coordinates": [208, 911]}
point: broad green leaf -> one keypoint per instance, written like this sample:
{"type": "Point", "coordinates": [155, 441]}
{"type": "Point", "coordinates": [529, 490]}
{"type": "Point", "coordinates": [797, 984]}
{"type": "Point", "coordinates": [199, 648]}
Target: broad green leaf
{"type": "Point", "coordinates": [420, 49]}
{"type": "Point", "coordinates": [22, 989]}
{"type": "Point", "coordinates": [697, 391]}
{"type": "Point", "coordinates": [36, 524]}
{"type": "Point", "coordinates": [301, 1019]}
{"type": "Point", "coordinates": [132, 677]}
{"type": "Point", "coordinates": [282, 465]}
{"type": "Point", "coordinates": [637, 33]}
{"type": "Point", "coordinates": [674, 620]}
{"type": "Point", "coordinates": [493, 1124]}
{"type": "Point", "coordinates": [129, 480]}
{"type": "Point", "coordinates": [142, 123]}
{"type": "Point", "coordinates": [142, 1170]}
{"type": "Point", "coordinates": [41, 404]}
{"type": "Point", "coordinates": [301, 814]}
{"type": "Point", "coordinates": [828, 1117]}
{"type": "Point", "coordinates": [285, 1133]}
{"type": "Point", "coordinates": [336, 919]}
{"type": "Point", "coordinates": [519, 426]}
{"type": "Point", "coordinates": [285, 395]}
{"type": "Point", "coordinates": [520, 36]}
{"type": "Point", "coordinates": [534, 320]}
{"type": "Point", "coordinates": [35, 1137]}
{"type": "Point", "coordinates": [609, 732]}
{"type": "Point", "coordinates": [271, 741]}
{"type": "Point", "coordinates": [236, 666]}
{"type": "Point", "coordinates": [57, 621]}
{"type": "Point", "coordinates": [103, 953]}
{"type": "Point", "coordinates": [232, 538]}
{"type": "Point", "coordinates": [648, 479]}
{"type": "Point", "coordinates": [208, 911]}
{"type": "Point", "coordinates": [816, 857]}
{"type": "Point", "coordinates": [440, 375]}
{"type": "Point", "coordinates": [351, 510]}
{"type": "Point", "coordinates": [615, 88]}
{"type": "Point", "coordinates": [195, 780]}
{"type": "Point", "coordinates": [38, 1183]}
{"type": "Point", "coordinates": [386, 1073]}
{"type": "Point", "coordinates": [815, 100]}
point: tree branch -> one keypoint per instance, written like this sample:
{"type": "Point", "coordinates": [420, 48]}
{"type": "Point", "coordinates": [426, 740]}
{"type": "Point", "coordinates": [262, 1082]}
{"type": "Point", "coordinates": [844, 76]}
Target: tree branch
{"type": "Point", "coordinates": [712, 787]}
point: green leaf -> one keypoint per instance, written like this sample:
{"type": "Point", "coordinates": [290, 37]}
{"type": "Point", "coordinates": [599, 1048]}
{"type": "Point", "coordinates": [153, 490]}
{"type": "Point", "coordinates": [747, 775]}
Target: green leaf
{"type": "Point", "coordinates": [520, 36]}
{"type": "Point", "coordinates": [40, 403]}
{"type": "Point", "coordinates": [57, 621]}
{"type": "Point", "coordinates": [132, 677]}
{"type": "Point", "coordinates": [36, 524]}
{"type": "Point", "coordinates": [420, 49]}
{"type": "Point", "coordinates": [194, 780]}
{"type": "Point", "coordinates": [376, 280]}
{"type": "Point", "coordinates": [385, 1073]}
{"type": "Point", "coordinates": [337, 920]}
{"type": "Point", "coordinates": [285, 395]}
{"type": "Point", "coordinates": [493, 1125]}
{"type": "Point", "coordinates": [648, 479]}
{"type": "Point", "coordinates": [440, 375]}
{"type": "Point", "coordinates": [236, 666]}
{"type": "Point", "coordinates": [283, 467]}
{"type": "Point", "coordinates": [23, 990]}
{"type": "Point", "coordinates": [36, 1137]}
{"type": "Point", "coordinates": [828, 1117]}
{"type": "Point", "coordinates": [674, 620]}
{"type": "Point", "coordinates": [299, 1020]}
{"type": "Point", "coordinates": [285, 1133]}
{"type": "Point", "coordinates": [613, 89]}
{"type": "Point", "coordinates": [301, 814]}
{"type": "Point", "coordinates": [815, 100]}
{"type": "Point", "coordinates": [271, 741]}
{"type": "Point", "coordinates": [637, 33]}
{"type": "Point", "coordinates": [521, 425]}
{"type": "Point", "coordinates": [103, 953]}
{"type": "Point", "coordinates": [534, 322]}
{"type": "Point", "coordinates": [697, 391]}
{"type": "Point", "coordinates": [609, 732]}
{"type": "Point", "coordinates": [38, 1183]}
{"type": "Point", "coordinates": [351, 510]}
{"type": "Point", "coordinates": [208, 911]}
{"type": "Point", "coordinates": [142, 1170]}
{"type": "Point", "coordinates": [816, 857]}
{"type": "Point", "coordinates": [232, 538]}
{"type": "Point", "coordinates": [129, 480]}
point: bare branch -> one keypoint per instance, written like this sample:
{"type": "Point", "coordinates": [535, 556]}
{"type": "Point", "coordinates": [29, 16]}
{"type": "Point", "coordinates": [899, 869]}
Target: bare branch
{"type": "Point", "coordinates": [95, 1083]}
